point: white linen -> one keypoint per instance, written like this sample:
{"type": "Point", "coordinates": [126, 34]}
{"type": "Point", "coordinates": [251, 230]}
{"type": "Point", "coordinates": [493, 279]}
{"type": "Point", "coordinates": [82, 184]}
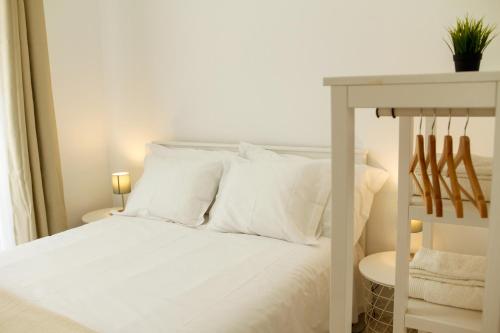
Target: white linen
{"type": "Point", "coordinates": [20, 316]}
{"type": "Point", "coordinates": [175, 188]}
{"type": "Point", "coordinates": [125, 274]}
{"type": "Point", "coordinates": [448, 278]}
{"type": "Point", "coordinates": [367, 182]}
{"type": "Point", "coordinates": [434, 277]}
{"type": "Point", "coordinates": [448, 265]}
{"type": "Point", "coordinates": [460, 296]}
{"type": "Point", "coordinates": [279, 198]}
{"type": "Point", "coordinates": [482, 165]}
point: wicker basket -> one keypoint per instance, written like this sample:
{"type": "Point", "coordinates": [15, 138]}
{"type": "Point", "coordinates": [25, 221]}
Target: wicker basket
{"type": "Point", "coordinates": [379, 308]}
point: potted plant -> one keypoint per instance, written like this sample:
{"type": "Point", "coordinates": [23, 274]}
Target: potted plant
{"type": "Point", "coordinates": [469, 38]}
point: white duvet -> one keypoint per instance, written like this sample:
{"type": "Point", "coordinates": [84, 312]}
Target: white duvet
{"type": "Point", "coordinates": [126, 274]}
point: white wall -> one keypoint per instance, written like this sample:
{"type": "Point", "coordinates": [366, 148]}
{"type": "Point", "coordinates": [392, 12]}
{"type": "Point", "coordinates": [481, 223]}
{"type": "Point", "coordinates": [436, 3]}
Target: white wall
{"type": "Point", "coordinates": [235, 70]}
{"type": "Point", "coordinates": [75, 51]}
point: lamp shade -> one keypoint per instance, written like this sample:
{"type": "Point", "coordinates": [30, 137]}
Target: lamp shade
{"type": "Point", "coordinates": [121, 182]}
{"type": "Point", "coordinates": [416, 226]}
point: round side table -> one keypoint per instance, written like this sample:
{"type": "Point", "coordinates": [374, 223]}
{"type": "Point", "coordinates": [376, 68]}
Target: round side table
{"type": "Point", "coordinates": [379, 271]}
{"type": "Point", "coordinates": [99, 214]}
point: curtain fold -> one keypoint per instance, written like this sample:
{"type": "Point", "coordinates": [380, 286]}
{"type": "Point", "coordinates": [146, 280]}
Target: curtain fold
{"type": "Point", "coordinates": [35, 180]}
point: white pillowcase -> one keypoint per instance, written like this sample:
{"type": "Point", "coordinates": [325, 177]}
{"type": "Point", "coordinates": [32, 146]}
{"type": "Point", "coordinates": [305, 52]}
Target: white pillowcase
{"type": "Point", "coordinates": [281, 199]}
{"type": "Point", "coordinates": [178, 185]}
{"type": "Point", "coordinates": [367, 182]}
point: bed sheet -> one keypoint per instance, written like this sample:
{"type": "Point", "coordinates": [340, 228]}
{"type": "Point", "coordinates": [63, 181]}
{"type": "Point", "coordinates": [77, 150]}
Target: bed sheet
{"type": "Point", "coordinates": [126, 274]}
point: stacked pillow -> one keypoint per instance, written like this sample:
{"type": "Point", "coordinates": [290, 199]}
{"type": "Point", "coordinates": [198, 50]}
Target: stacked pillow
{"type": "Point", "coordinates": [255, 192]}
{"type": "Point", "coordinates": [263, 193]}
{"type": "Point", "coordinates": [177, 185]}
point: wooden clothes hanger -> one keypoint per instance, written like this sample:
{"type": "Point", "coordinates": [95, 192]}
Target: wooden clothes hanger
{"type": "Point", "coordinates": [419, 159]}
{"type": "Point", "coordinates": [464, 155]}
{"type": "Point", "coordinates": [431, 160]}
{"type": "Point", "coordinates": [448, 160]}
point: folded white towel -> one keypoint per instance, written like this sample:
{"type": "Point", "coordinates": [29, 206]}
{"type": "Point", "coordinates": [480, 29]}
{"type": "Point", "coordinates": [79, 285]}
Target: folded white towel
{"type": "Point", "coordinates": [467, 297]}
{"type": "Point", "coordinates": [482, 165]}
{"type": "Point", "coordinates": [433, 277]}
{"type": "Point", "coordinates": [448, 266]}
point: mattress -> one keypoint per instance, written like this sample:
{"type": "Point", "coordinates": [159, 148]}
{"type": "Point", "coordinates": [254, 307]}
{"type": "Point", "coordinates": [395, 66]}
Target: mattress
{"type": "Point", "coordinates": [126, 274]}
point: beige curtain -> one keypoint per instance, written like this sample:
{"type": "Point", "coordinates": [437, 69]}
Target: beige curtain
{"type": "Point", "coordinates": [33, 153]}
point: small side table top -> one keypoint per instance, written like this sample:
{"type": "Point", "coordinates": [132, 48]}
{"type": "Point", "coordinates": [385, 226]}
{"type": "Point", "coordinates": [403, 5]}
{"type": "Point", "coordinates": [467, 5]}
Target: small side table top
{"type": "Point", "coordinates": [99, 214]}
{"type": "Point", "coordinates": [379, 268]}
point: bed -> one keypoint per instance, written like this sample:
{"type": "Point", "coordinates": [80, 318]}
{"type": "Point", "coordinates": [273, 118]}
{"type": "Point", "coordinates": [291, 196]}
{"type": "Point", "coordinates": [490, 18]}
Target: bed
{"type": "Point", "coordinates": [134, 274]}
{"type": "Point", "coordinates": [128, 274]}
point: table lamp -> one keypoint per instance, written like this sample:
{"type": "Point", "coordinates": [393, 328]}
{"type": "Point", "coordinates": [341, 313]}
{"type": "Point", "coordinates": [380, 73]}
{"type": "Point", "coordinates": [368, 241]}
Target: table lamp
{"type": "Point", "coordinates": [416, 236]}
{"type": "Point", "coordinates": [121, 185]}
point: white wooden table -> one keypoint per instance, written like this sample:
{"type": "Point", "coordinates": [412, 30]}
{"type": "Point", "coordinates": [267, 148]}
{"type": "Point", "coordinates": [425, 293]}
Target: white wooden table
{"type": "Point", "coordinates": [476, 94]}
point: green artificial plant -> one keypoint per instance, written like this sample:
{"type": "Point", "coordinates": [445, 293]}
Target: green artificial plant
{"type": "Point", "coordinates": [470, 36]}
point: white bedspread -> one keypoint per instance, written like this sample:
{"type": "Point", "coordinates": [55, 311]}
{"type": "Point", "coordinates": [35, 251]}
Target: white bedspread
{"type": "Point", "coordinates": [127, 274]}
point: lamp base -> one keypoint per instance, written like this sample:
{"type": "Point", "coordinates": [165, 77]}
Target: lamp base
{"type": "Point", "coordinates": [123, 203]}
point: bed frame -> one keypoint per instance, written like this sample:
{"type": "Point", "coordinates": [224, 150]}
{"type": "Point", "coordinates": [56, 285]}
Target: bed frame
{"type": "Point", "coordinates": [311, 152]}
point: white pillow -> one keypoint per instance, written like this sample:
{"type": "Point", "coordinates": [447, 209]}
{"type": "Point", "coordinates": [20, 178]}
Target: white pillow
{"type": "Point", "coordinates": [367, 182]}
{"type": "Point", "coordinates": [176, 186]}
{"type": "Point", "coordinates": [282, 199]}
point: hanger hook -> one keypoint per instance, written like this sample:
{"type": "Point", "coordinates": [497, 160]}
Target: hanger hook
{"type": "Point", "coordinates": [433, 122]}
{"type": "Point", "coordinates": [420, 126]}
{"type": "Point", "coordinates": [466, 123]}
{"type": "Point", "coordinates": [449, 121]}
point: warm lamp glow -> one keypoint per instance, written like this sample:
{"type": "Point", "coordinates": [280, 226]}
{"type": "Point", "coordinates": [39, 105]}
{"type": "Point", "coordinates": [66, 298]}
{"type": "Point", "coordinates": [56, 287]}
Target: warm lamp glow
{"type": "Point", "coordinates": [416, 226]}
{"type": "Point", "coordinates": [121, 185]}
{"type": "Point", "coordinates": [121, 182]}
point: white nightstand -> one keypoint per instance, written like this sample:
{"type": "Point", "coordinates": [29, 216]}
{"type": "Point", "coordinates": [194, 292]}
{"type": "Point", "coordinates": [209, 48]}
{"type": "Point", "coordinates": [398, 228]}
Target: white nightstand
{"type": "Point", "coordinates": [379, 270]}
{"type": "Point", "coordinates": [99, 214]}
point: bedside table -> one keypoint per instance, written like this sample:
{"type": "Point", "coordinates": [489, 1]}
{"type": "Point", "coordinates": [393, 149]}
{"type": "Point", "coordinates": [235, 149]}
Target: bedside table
{"type": "Point", "coordinates": [379, 271]}
{"type": "Point", "coordinates": [99, 214]}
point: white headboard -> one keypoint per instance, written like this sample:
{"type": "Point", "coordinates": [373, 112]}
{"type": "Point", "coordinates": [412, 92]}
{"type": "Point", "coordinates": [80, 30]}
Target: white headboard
{"type": "Point", "coordinates": [312, 152]}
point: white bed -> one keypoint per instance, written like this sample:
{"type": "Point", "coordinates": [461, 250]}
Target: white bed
{"type": "Point", "coordinates": [127, 274]}
{"type": "Point", "coordinates": [132, 274]}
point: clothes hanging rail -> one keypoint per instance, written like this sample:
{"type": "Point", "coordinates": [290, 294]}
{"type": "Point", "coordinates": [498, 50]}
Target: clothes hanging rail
{"type": "Point", "coordinates": [434, 112]}
{"type": "Point", "coordinates": [407, 97]}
